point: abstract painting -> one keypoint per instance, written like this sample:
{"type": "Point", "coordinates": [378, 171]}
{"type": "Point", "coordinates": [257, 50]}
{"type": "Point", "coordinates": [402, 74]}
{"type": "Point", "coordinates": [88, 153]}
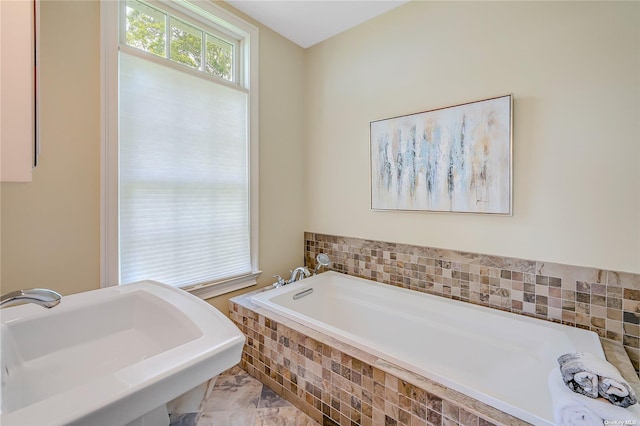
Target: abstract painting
{"type": "Point", "coordinates": [453, 159]}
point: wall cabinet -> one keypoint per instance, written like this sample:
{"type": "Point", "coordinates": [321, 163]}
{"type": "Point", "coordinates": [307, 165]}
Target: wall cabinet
{"type": "Point", "coordinates": [17, 90]}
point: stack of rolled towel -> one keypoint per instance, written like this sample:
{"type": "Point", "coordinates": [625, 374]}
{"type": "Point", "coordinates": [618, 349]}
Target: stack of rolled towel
{"type": "Point", "coordinates": [587, 390]}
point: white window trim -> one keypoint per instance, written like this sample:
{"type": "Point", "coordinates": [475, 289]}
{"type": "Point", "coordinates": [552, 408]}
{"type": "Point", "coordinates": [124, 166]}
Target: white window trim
{"type": "Point", "coordinates": [109, 259]}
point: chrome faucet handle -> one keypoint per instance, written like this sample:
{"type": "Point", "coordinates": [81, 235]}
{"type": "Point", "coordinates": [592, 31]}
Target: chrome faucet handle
{"type": "Point", "coordinates": [280, 281]}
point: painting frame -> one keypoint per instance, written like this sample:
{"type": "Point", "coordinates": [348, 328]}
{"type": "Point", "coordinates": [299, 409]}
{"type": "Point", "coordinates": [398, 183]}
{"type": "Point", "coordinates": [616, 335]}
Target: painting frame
{"type": "Point", "coordinates": [454, 159]}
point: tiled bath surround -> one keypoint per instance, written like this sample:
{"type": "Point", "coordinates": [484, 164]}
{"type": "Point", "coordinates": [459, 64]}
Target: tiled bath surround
{"type": "Point", "coordinates": [337, 384]}
{"type": "Point", "coordinates": [606, 302]}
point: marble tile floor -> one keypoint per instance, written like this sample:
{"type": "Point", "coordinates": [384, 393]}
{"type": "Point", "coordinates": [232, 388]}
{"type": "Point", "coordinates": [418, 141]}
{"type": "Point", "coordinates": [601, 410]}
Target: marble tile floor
{"type": "Point", "coordinates": [234, 398]}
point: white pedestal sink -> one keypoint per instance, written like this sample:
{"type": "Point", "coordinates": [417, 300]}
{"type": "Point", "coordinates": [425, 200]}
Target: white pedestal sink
{"type": "Point", "coordinates": [112, 356]}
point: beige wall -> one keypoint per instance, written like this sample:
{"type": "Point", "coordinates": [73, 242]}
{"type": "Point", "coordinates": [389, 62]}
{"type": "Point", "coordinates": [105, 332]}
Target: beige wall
{"type": "Point", "coordinates": [50, 227]}
{"type": "Point", "coordinates": [574, 71]}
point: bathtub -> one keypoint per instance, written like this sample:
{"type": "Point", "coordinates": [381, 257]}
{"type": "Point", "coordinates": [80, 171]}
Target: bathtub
{"type": "Point", "coordinates": [499, 358]}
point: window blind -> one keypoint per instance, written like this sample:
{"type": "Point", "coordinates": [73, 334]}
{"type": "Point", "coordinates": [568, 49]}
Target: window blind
{"type": "Point", "coordinates": [183, 176]}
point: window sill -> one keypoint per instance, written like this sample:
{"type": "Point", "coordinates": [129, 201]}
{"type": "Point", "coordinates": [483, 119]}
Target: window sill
{"type": "Point", "coordinates": [207, 291]}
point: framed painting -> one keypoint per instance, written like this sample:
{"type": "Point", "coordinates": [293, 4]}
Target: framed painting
{"type": "Point", "coordinates": [452, 159]}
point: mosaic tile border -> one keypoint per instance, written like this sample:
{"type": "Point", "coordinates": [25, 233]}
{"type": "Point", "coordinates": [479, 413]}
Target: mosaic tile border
{"type": "Point", "coordinates": [336, 384]}
{"type": "Point", "coordinates": [606, 302]}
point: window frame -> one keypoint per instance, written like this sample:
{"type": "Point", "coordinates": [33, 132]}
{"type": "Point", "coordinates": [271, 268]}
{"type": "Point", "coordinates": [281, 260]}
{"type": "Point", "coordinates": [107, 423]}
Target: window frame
{"type": "Point", "coordinates": [246, 76]}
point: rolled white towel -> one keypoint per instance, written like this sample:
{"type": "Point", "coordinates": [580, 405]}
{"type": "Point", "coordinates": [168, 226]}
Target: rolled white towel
{"type": "Point", "coordinates": [592, 376]}
{"type": "Point", "coordinates": [574, 409]}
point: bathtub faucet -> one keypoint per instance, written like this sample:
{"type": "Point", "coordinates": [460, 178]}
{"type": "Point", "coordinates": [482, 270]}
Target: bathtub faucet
{"type": "Point", "coordinates": [39, 296]}
{"type": "Point", "coordinates": [298, 274]}
{"type": "Point", "coordinates": [302, 272]}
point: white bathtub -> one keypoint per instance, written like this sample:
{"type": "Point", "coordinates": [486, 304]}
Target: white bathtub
{"type": "Point", "coordinates": [496, 357]}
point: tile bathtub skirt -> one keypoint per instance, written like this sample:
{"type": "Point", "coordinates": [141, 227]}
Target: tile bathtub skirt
{"type": "Point", "coordinates": [337, 384]}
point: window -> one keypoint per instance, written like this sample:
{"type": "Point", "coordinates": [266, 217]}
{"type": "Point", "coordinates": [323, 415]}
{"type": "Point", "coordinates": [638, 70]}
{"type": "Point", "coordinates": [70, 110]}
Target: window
{"type": "Point", "coordinates": [145, 28]}
{"type": "Point", "coordinates": [179, 151]}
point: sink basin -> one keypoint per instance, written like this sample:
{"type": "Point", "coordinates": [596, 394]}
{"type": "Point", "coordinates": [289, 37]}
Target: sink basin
{"type": "Point", "coordinates": [110, 356]}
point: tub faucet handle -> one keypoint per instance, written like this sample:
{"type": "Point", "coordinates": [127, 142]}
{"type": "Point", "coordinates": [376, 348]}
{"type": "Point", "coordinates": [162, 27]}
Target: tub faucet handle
{"type": "Point", "coordinates": [280, 281]}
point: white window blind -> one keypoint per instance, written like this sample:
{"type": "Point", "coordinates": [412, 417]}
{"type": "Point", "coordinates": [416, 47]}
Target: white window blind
{"type": "Point", "coordinates": [183, 175]}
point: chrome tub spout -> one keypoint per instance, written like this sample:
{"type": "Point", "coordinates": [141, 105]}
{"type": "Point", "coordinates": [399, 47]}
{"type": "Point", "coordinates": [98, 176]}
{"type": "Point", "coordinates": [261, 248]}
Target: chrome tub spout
{"type": "Point", "coordinates": [298, 274]}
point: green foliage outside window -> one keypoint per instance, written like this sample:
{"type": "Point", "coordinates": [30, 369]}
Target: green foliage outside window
{"type": "Point", "coordinates": [186, 44]}
{"type": "Point", "coordinates": [219, 57]}
{"type": "Point", "coordinates": [146, 30]}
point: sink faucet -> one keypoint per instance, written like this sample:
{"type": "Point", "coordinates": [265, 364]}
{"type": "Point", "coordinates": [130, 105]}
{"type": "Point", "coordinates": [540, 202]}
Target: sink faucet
{"type": "Point", "coordinates": [39, 296]}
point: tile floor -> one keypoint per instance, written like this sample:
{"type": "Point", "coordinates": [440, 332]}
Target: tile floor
{"type": "Point", "coordinates": [235, 399]}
